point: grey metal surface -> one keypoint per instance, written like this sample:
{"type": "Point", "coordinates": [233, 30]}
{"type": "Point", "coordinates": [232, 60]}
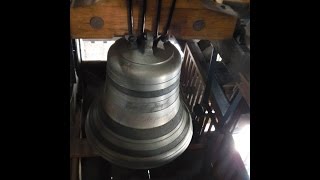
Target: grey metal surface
{"type": "Point", "coordinates": [199, 25]}
{"type": "Point", "coordinates": [149, 71]}
{"type": "Point", "coordinates": [139, 121]}
{"type": "Point", "coordinates": [96, 22]}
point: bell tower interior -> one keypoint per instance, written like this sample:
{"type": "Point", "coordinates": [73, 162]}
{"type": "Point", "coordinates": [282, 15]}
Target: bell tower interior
{"type": "Point", "coordinates": [160, 89]}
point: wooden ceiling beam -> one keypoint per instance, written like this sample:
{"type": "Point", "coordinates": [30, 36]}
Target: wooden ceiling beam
{"type": "Point", "coordinates": [217, 24]}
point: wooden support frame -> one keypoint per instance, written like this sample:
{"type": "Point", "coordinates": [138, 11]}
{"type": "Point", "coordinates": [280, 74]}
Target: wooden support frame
{"type": "Point", "coordinates": [217, 24]}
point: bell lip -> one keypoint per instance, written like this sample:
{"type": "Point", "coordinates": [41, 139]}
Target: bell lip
{"type": "Point", "coordinates": [139, 163]}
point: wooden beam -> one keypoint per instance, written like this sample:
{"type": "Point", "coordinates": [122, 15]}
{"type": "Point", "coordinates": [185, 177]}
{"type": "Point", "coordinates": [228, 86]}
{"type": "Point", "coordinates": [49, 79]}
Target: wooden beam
{"type": "Point", "coordinates": [217, 25]}
{"type": "Point", "coordinates": [74, 133]}
{"type": "Point", "coordinates": [238, 1]}
{"type": "Point", "coordinates": [81, 148]}
{"type": "Point", "coordinates": [74, 175]}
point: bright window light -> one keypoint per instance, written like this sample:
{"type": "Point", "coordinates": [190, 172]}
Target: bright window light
{"type": "Point", "coordinates": [207, 127]}
{"type": "Point", "coordinates": [219, 58]}
{"type": "Point", "coordinates": [212, 128]}
{"type": "Point", "coordinates": [242, 145]}
{"type": "Point", "coordinates": [148, 173]}
{"type": "Point", "coordinates": [95, 49]}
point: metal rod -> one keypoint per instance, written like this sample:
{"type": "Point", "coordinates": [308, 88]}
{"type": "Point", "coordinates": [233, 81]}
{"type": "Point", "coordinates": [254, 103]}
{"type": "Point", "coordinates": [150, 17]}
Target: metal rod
{"type": "Point", "coordinates": [130, 18]}
{"type": "Point", "coordinates": [156, 25]}
{"type": "Point", "coordinates": [143, 18]}
{"type": "Point", "coordinates": [166, 27]}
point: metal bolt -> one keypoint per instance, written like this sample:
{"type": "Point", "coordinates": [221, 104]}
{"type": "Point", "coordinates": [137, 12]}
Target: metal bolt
{"type": "Point", "coordinates": [96, 22]}
{"type": "Point", "coordinates": [132, 38]}
{"type": "Point", "coordinates": [164, 38]}
{"type": "Point", "coordinates": [198, 25]}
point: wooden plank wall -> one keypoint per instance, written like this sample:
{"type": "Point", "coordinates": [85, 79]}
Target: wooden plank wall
{"type": "Point", "coordinates": [218, 25]}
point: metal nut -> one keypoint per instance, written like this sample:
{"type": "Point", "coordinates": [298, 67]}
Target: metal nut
{"type": "Point", "coordinates": [96, 22]}
{"type": "Point", "coordinates": [198, 25]}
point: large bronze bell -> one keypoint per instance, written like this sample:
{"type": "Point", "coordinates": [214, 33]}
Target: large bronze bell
{"type": "Point", "coordinates": [140, 121]}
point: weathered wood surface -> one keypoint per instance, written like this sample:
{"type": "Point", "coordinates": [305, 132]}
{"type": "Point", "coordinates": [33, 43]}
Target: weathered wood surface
{"type": "Point", "coordinates": [238, 1]}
